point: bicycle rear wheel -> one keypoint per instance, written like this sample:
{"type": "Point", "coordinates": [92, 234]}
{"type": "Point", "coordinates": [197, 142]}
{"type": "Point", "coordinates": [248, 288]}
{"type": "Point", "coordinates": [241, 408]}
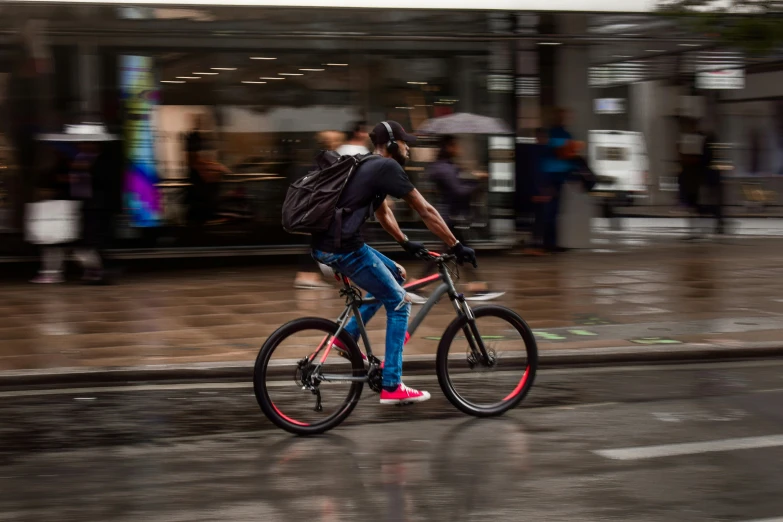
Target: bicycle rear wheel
{"type": "Point", "coordinates": [287, 383]}
{"type": "Point", "coordinates": [482, 389]}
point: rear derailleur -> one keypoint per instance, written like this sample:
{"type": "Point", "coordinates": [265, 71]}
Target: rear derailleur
{"type": "Point", "coordinates": [306, 377]}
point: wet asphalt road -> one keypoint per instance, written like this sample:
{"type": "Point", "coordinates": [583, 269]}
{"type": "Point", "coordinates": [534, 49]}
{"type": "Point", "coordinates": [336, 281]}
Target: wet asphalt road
{"type": "Point", "coordinates": [203, 452]}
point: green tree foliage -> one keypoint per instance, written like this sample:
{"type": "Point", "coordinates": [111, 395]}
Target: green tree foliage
{"type": "Point", "coordinates": [755, 26]}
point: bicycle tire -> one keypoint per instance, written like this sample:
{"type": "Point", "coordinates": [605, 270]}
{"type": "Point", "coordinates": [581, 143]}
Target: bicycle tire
{"type": "Point", "coordinates": [526, 379]}
{"type": "Point", "coordinates": [262, 365]}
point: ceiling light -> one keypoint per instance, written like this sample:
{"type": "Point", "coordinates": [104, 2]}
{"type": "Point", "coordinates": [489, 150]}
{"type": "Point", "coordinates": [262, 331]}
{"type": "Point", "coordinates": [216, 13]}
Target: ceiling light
{"type": "Point", "coordinates": [223, 68]}
{"type": "Point", "coordinates": [405, 108]}
{"type": "Point", "coordinates": [290, 74]}
{"type": "Point", "coordinates": [262, 58]}
{"type": "Point", "coordinates": [271, 78]}
{"type": "Point", "coordinates": [188, 77]}
{"type": "Point", "coordinates": [417, 83]}
{"type": "Point", "coordinates": [312, 70]}
{"type": "Point", "coordinates": [655, 50]}
{"type": "Point", "coordinates": [550, 43]}
{"type": "Point", "coordinates": [250, 81]}
{"type": "Point", "coordinates": [206, 73]}
{"type": "Point", "coordinates": [172, 81]}
{"type": "Point", "coordinates": [337, 64]}
{"type": "Point", "coordinates": [689, 45]}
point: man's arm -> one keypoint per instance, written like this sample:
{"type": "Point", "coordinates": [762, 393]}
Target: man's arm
{"type": "Point", "coordinates": [386, 218]}
{"type": "Point", "coordinates": [430, 216]}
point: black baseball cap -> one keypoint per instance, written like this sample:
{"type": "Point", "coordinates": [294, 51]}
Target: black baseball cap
{"type": "Point", "coordinates": [380, 135]}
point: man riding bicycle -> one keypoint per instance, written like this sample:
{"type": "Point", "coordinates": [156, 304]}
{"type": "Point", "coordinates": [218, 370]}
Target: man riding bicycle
{"type": "Point", "coordinates": [344, 250]}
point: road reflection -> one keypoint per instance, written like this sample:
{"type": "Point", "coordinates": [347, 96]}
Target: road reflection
{"type": "Point", "coordinates": [375, 474]}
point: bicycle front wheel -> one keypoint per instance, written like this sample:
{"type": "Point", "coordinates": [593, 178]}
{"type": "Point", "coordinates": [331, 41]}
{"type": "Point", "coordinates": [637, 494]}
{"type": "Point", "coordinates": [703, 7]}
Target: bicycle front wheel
{"type": "Point", "coordinates": [491, 385]}
{"type": "Point", "coordinates": [297, 388]}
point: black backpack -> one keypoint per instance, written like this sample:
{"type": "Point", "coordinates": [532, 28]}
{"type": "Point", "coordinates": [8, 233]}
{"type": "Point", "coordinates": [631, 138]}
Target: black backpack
{"type": "Point", "coordinates": [310, 204]}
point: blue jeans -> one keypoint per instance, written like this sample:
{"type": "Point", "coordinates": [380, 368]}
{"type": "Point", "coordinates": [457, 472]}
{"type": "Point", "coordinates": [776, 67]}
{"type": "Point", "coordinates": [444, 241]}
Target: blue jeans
{"type": "Point", "coordinates": [380, 277]}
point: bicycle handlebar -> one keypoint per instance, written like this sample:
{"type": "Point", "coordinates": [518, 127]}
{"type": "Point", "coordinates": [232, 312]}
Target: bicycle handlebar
{"type": "Point", "coordinates": [439, 258]}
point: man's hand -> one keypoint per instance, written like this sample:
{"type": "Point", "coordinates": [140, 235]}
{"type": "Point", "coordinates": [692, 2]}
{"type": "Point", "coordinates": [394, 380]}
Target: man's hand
{"type": "Point", "coordinates": [414, 248]}
{"type": "Point", "coordinates": [464, 254]}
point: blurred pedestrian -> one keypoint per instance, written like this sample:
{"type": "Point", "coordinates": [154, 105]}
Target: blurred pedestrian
{"type": "Point", "coordinates": [557, 166]}
{"type": "Point", "coordinates": [307, 278]}
{"type": "Point", "coordinates": [52, 186]}
{"type": "Point", "coordinates": [692, 172]}
{"type": "Point", "coordinates": [454, 192]}
{"type": "Point", "coordinates": [204, 174]}
{"type": "Point", "coordinates": [358, 141]}
{"type": "Point", "coordinates": [542, 192]}
{"type": "Point", "coordinates": [77, 180]}
{"type": "Point", "coordinates": [712, 203]}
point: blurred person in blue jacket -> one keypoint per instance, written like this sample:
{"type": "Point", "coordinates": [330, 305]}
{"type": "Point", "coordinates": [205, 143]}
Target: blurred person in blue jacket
{"type": "Point", "coordinates": [541, 191]}
{"type": "Point", "coordinates": [557, 165]}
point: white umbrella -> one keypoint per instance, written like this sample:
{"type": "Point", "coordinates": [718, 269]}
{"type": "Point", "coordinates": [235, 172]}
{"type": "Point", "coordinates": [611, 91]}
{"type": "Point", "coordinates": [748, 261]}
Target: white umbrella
{"type": "Point", "coordinates": [464, 123]}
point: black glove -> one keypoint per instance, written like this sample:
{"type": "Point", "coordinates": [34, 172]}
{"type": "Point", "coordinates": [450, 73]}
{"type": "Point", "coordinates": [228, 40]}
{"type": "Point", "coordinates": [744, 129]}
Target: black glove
{"type": "Point", "coordinates": [464, 254]}
{"type": "Point", "coordinates": [414, 248]}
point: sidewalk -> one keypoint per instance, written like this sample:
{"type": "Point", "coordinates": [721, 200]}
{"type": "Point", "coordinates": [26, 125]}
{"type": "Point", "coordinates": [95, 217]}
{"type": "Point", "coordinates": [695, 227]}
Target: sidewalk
{"type": "Point", "coordinates": [730, 211]}
{"type": "Point", "coordinates": [633, 298]}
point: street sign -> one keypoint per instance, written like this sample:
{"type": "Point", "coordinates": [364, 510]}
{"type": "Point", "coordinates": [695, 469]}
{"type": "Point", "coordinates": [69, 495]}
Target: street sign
{"type": "Point", "coordinates": [710, 77]}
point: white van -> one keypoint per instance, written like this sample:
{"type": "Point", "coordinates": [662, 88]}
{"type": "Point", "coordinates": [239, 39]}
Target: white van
{"type": "Point", "coordinates": [619, 160]}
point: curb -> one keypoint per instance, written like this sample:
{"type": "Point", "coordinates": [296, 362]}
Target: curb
{"type": "Point", "coordinates": [548, 358]}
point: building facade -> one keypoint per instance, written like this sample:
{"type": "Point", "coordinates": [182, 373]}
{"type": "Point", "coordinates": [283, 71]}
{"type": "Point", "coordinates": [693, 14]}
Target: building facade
{"type": "Point", "coordinates": [262, 84]}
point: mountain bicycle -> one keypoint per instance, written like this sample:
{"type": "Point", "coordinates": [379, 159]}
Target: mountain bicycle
{"type": "Point", "coordinates": [486, 359]}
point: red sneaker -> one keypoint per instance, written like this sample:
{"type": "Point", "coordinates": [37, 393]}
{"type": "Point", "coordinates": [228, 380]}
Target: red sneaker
{"type": "Point", "coordinates": [403, 395]}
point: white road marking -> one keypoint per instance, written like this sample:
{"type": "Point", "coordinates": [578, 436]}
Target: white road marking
{"type": "Point", "coordinates": [585, 405]}
{"type": "Point", "coordinates": [700, 415]}
{"type": "Point", "coordinates": [778, 519]}
{"type": "Point", "coordinates": [664, 367]}
{"type": "Point", "coordinates": [667, 417]}
{"type": "Point", "coordinates": [691, 448]}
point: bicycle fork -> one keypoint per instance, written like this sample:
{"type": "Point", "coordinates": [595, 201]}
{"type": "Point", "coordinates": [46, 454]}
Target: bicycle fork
{"type": "Point", "coordinates": [478, 352]}
{"type": "Point", "coordinates": [479, 355]}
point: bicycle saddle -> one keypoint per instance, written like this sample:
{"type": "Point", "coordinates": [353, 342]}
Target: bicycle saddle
{"type": "Point", "coordinates": [327, 271]}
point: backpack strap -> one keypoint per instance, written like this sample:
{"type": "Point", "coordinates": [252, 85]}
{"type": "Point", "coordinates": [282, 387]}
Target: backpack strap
{"type": "Point", "coordinates": [338, 220]}
{"type": "Point", "coordinates": [340, 212]}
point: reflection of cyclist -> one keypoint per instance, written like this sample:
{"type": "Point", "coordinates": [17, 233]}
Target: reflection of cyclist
{"type": "Point", "coordinates": [344, 249]}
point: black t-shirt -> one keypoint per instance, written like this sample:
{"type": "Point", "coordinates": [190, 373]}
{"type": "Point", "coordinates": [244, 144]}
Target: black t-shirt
{"type": "Point", "coordinates": [375, 179]}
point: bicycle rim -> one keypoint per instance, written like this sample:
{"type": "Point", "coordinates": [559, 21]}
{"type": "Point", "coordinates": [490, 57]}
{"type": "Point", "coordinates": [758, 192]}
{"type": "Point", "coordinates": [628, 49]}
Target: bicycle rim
{"type": "Point", "coordinates": [285, 381]}
{"type": "Point", "coordinates": [476, 387]}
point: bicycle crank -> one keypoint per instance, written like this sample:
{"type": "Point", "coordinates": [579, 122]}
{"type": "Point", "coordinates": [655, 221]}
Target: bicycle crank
{"type": "Point", "coordinates": [375, 378]}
